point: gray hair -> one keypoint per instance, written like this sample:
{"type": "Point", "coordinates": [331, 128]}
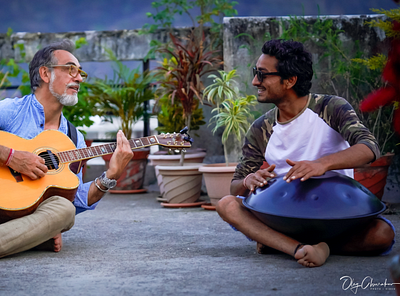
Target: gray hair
{"type": "Point", "coordinates": [45, 57]}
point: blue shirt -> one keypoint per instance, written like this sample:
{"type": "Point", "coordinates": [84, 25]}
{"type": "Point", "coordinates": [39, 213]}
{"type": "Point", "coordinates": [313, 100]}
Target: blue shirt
{"type": "Point", "coordinates": [24, 117]}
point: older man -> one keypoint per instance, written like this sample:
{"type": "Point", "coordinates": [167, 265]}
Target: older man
{"type": "Point", "coordinates": [55, 75]}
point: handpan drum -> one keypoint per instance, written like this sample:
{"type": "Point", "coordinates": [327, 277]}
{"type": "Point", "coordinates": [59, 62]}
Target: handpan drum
{"type": "Point", "coordinates": [314, 210]}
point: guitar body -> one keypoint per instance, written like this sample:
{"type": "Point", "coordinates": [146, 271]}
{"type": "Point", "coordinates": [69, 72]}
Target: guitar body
{"type": "Point", "coordinates": [19, 194]}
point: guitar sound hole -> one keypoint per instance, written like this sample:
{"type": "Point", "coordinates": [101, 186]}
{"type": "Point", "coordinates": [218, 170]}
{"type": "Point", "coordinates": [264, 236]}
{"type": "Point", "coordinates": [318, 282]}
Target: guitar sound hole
{"type": "Point", "coordinates": [51, 160]}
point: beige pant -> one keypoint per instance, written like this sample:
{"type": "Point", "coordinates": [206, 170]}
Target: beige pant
{"type": "Point", "coordinates": [53, 216]}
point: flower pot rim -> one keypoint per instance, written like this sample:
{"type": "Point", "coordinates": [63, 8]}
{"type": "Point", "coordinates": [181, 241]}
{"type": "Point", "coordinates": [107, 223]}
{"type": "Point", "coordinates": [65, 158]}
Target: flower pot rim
{"type": "Point", "coordinates": [176, 157]}
{"type": "Point", "coordinates": [218, 168]}
{"type": "Point", "coordinates": [189, 166]}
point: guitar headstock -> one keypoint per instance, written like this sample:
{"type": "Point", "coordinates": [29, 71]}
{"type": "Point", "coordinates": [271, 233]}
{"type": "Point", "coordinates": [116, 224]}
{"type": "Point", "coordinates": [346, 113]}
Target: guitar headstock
{"type": "Point", "coordinates": [175, 140]}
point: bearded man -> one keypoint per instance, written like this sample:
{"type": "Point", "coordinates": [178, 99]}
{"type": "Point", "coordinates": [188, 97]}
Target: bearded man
{"type": "Point", "coordinates": [55, 75]}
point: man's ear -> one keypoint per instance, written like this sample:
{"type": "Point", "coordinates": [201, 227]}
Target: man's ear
{"type": "Point", "coordinates": [45, 74]}
{"type": "Point", "coordinates": [290, 82]}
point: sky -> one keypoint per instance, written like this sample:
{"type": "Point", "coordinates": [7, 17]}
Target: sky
{"type": "Point", "coordinates": [83, 15]}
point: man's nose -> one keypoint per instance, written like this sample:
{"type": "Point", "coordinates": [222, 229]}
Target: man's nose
{"type": "Point", "coordinates": [255, 81]}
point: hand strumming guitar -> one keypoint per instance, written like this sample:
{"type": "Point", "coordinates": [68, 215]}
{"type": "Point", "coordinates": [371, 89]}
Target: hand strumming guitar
{"type": "Point", "coordinates": [24, 162]}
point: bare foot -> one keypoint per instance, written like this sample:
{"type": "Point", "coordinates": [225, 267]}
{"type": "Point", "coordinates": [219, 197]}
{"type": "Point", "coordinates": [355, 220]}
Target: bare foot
{"type": "Point", "coordinates": [53, 244]}
{"type": "Point", "coordinates": [312, 256]}
{"type": "Point", "coordinates": [57, 243]}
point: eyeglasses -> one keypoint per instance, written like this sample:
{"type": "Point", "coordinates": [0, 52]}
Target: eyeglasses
{"type": "Point", "coordinates": [73, 71]}
{"type": "Point", "coordinates": [260, 75]}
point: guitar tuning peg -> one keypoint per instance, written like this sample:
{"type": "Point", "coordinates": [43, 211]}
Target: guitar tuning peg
{"type": "Point", "coordinates": [187, 136]}
{"type": "Point", "coordinates": [188, 139]}
{"type": "Point", "coordinates": [184, 130]}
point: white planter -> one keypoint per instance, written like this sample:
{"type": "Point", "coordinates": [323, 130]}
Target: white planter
{"type": "Point", "coordinates": [181, 184]}
{"type": "Point", "coordinates": [173, 160]}
{"type": "Point", "coordinates": [218, 177]}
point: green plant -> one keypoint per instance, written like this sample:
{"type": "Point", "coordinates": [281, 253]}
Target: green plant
{"type": "Point", "coordinates": [233, 112]}
{"type": "Point", "coordinates": [234, 115]}
{"type": "Point", "coordinates": [209, 13]}
{"type": "Point", "coordinates": [122, 96]}
{"type": "Point", "coordinates": [345, 75]}
{"type": "Point", "coordinates": [224, 87]}
{"type": "Point", "coordinates": [388, 93]}
{"type": "Point", "coordinates": [179, 77]}
{"type": "Point", "coordinates": [10, 68]}
{"type": "Point", "coordinates": [170, 116]}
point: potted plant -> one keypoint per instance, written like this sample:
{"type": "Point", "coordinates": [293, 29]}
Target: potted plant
{"type": "Point", "coordinates": [233, 113]}
{"type": "Point", "coordinates": [373, 176]}
{"type": "Point", "coordinates": [121, 98]}
{"type": "Point", "coordinates": [179, 94]}
{"type": "Point", "coordinates": [169, 115]}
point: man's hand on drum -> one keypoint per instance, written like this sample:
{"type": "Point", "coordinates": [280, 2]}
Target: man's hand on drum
{"type": "Point", "coordinates": [260, 178]}
{"type": "Point", "coordinates": [304, 170]}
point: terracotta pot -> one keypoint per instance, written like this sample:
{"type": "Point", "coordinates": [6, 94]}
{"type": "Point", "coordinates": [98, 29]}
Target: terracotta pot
{"type": "Point", "coordinates": [218, 177]}
{"type": "Point", "coordinates": [373, 176]}
{"type": "Point", "coordinates": [131, 180]}
{"type": "Point", "coordinates": [182, 184]}
{"type": "Point", "coordinates": [162, 158]}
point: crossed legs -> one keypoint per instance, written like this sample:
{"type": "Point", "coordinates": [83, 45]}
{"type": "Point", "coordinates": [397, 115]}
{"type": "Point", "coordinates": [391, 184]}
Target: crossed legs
{"type": "Point", "coordinates": [372, 239]}
{"type": "Point", "coordinates": [53, 216]}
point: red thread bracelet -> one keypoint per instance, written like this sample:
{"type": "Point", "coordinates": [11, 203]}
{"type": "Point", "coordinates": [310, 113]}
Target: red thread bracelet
{"type": "Point", "coordinates": [10, 156]}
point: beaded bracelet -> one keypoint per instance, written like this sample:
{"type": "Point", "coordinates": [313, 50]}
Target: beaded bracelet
{"type": "Point", "coordinates": [244, 180]}
{"type": "Point", "coordinates": [10, 156]}
{"type": "Point", "coordinates": [98, 187]}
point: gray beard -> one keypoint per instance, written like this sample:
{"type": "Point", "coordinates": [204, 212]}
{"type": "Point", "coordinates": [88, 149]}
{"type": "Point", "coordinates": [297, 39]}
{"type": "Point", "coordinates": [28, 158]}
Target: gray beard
{"type": "Point", "coordinates": [64, 99]}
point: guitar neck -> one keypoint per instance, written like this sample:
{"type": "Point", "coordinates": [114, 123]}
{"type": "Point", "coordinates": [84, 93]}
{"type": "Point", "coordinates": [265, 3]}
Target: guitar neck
{"type": "Point", "coordinates": [104, 149]}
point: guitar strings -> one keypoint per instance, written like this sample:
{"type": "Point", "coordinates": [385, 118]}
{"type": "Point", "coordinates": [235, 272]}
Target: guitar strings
{"type": "Point", "coordinates": [49, 162]}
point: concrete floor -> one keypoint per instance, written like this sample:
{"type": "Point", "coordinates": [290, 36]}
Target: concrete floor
{"type": "Point", "coordinates": [131, 245]}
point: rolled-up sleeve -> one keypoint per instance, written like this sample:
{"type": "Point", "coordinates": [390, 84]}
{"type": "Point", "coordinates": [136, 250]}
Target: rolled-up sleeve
{"type": "Point", "coordinates": [81, 197]}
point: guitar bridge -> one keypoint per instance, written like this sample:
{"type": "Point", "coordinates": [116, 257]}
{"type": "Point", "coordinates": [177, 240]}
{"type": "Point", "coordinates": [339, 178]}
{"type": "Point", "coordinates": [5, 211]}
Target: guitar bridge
{"type": "Point", "coordinates": [16, 175]}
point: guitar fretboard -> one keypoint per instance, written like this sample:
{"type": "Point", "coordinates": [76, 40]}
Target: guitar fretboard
{"type": "Point", "coordinates": [99, 150]}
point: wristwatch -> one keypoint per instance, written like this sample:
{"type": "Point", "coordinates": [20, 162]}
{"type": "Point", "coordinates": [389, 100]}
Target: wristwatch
{"type": "Point", "coordinates": [108, 183]}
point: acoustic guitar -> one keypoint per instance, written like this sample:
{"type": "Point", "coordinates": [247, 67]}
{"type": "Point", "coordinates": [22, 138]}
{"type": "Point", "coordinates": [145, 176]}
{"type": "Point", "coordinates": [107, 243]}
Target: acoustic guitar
{"type": "Point", "coordinates": [20, 195]}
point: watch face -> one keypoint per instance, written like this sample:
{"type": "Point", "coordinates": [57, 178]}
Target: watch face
{"type": "Point", "coordinates": [112, 183]}
{"type": "Point", "coordinates": [109, 183]}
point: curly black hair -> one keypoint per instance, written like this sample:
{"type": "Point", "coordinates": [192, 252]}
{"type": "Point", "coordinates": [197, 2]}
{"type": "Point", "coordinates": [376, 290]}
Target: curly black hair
{"type": "Point", "coordinates": [293, 60]}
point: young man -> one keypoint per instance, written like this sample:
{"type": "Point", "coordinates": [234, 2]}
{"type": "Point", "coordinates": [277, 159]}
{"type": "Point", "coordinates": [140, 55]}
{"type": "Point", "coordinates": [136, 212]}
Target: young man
{"type": "Point", "coordinates": [55, 76]}
{"type": "Point", "coordinates": [304, 136]}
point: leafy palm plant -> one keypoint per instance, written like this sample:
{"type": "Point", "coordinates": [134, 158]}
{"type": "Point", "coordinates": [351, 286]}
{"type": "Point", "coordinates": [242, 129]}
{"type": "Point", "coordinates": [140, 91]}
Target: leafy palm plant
{"type": "Point", "coordinates": [234, 115]}
{"type": "Point", "coordinates": [224, 87]}
{"type": "Point", "coordinates": [233, 112]}
{"type": "Point", "coordinates": [122, 96]}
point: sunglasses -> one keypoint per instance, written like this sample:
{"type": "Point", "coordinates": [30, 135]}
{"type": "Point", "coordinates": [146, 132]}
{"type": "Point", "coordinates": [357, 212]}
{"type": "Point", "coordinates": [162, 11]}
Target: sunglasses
{"type": "Point", "coordinates": [260, 75]}
{"type": "Point", "coordinates": [73, 71]}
